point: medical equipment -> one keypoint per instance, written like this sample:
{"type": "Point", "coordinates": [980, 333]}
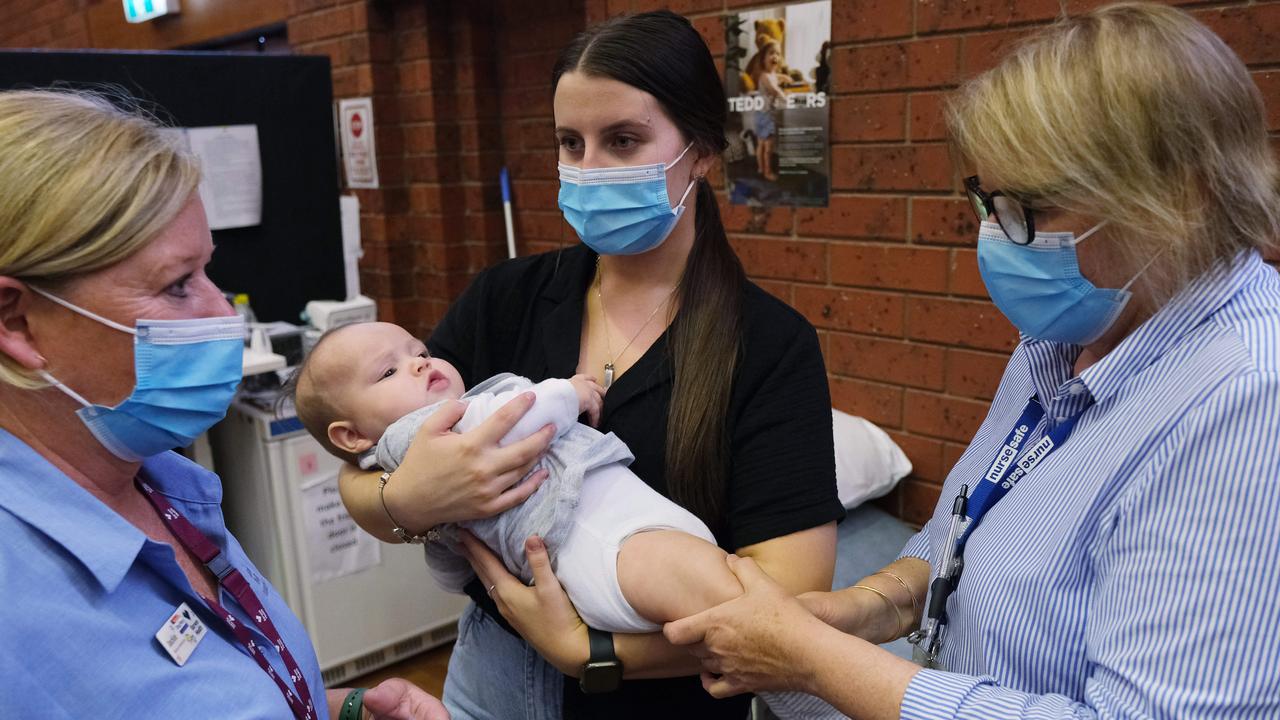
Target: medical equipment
{"type": "Point", "coordinates": [326, 315]}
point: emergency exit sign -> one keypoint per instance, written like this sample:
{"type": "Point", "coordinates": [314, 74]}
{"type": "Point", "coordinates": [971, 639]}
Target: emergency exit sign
{"type": "Point", "coordinates": [137, 11]}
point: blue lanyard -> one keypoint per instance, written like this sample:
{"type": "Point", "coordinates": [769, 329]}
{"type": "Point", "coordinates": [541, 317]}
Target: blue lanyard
{"type": "Point", "coordinates": [1012, 463]}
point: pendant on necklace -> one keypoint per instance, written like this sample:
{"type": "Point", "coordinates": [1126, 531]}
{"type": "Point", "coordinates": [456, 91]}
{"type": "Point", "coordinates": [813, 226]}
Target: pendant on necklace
{"type": "Point", "coordinates": [608, 375]}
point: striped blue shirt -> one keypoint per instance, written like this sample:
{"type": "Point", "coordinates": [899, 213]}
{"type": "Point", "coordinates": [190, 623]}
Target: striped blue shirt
{"type": "Point", "coordinates": [1135, 573]}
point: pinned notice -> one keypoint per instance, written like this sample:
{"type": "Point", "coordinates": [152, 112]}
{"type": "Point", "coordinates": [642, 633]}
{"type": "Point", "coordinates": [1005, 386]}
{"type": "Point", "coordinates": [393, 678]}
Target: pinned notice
{"type": "Point", "coordinates": [359, 159]}
{"type": "Point", "coordinates": [230, 174]}
{"type": "Point", "coordinates": [335, 545]}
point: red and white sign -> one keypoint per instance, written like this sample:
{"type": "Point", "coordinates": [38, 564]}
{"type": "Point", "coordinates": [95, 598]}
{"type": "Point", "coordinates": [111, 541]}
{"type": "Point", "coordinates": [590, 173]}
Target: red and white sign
{"type": "Point", "coordinates": [359, 158]}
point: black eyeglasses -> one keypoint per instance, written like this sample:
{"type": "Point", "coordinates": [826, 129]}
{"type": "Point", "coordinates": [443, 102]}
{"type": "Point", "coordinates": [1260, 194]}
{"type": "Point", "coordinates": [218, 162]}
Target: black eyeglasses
{"type": "Point", "coordinates": [1013, 217]}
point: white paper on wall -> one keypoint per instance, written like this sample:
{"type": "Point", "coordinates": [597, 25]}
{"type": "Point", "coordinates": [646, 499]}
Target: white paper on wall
{"type": "Point", "coordinates": [231, 174]}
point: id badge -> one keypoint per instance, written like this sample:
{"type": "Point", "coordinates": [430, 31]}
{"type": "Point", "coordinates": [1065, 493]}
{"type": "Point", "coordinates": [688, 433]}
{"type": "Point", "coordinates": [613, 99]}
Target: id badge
{"type": "Point", "coordinates": [181, 633]}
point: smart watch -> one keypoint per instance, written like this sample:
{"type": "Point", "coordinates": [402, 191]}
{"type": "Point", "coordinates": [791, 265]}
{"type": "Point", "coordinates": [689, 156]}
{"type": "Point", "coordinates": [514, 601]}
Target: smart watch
{"type": "Point", "coordinates": [602, 672]}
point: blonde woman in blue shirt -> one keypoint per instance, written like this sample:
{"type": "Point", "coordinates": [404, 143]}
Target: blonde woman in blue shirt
{"type": "Point", "coordinates": [124, 594]}
{"type": "Point", "coordinates": [1119, 530]}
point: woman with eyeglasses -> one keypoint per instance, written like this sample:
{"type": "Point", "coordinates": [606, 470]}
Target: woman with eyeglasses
{"type": "Point", "coordinates": [1109, 543]}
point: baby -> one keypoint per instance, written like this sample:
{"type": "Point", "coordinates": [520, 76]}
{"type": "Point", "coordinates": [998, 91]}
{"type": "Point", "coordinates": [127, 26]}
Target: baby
{"type": "Point", "coordinates": [364, 391]}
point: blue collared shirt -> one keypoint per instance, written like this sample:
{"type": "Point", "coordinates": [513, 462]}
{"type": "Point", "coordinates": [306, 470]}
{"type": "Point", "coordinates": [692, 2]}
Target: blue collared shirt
{"type": "Point", "coordinates": [1135, 573]}
{"type": "Point", "coordinates": [83, 593]}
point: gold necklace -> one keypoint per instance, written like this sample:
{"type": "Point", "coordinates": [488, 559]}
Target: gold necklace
{"type": "Point", "coordinates": [608, 346]}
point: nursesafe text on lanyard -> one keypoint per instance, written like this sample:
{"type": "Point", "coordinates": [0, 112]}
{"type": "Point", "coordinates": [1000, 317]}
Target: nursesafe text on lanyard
{"type": "Point", "coordinates": [1011, 464]}
{"type": "Point", "coordinates": [231, 579]}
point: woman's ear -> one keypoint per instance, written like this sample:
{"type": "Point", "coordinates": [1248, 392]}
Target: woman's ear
{"type": "Point", "coordinates": [702, 164]}
{"type": "Point", "coordinates": [344, 435]}
{"type": "Point", "coordinates": [16, 340]}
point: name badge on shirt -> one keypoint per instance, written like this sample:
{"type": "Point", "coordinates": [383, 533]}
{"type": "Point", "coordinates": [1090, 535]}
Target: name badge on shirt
{"type": "Point", "coordinates": [181, 633]}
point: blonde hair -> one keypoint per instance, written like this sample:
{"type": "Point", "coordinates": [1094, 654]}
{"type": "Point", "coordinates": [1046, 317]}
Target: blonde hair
{"type": "Point", "coordinates": [1138, 114]}
{"type": "Point", "coordinates": [86, 183]}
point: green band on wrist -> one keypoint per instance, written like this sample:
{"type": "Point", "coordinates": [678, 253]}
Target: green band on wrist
{"type": "Point", "coordinates": [352, 705]}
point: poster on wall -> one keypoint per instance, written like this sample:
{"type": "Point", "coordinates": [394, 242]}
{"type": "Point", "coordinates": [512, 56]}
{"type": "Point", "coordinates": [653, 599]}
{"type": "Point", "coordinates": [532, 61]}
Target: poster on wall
{"type": "Point", "coordinates": [778, 79]}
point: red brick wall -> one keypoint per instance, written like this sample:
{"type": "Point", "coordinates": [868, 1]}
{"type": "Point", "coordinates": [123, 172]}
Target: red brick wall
{"type": "Point", "coordinates": [43, 24]}
{"type": "Point", "coordinates": [460, 89]}
{"type": "Point", "coordinates": [887, 272]}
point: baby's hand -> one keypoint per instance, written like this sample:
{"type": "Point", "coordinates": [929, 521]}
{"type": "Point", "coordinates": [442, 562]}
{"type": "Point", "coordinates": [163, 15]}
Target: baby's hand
{"type": "Point", "coordinates": [590, 397]}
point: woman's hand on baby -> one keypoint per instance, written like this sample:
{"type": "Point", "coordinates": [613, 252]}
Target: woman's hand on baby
{"type": "Point", "coordinates": [451, 477]}
{"type": "Point", "coordinates": [590, 397]}
{"type": "Point", "coordinates": [754, 642]}
{"type": "Point", "coordinates": [542, 613]}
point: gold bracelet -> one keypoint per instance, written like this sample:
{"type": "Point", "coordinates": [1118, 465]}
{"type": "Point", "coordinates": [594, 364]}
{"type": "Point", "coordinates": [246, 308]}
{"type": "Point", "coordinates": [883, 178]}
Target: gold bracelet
{"type": "Point", "coordinates": [396, 528]}
{"type": "Point", "coordinates": [892, 606]}
{"type": "Point", "coordinates": [915, 604]}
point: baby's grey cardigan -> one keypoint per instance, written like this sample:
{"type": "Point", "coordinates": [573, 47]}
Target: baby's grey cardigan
{"type": "Point", "coordinates": [546, 513]}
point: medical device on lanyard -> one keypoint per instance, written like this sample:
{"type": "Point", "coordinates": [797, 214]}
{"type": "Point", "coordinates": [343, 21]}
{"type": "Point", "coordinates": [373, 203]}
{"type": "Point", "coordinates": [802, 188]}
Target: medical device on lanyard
{"type": "Point", "coordinates": [968, 510]}
{"type": "Point", "coordinates": [928, 638]}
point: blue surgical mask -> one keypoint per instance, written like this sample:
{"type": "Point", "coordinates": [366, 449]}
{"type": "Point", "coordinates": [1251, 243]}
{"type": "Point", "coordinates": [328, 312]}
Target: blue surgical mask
{"type": "Point", "coordinates": [186, 373]}
{"type": "Point", "coordinates": [1040, 289]}
{"type": "Point", "coordinates": [621, 210]}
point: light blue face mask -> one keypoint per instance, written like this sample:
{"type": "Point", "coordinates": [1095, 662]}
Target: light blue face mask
{"type": "Point", "coordinates": [1040, 289]}
{"type": "Point", "coordinates": [621, 210]}
{"type": "Point", "coordinates": [186, 373]}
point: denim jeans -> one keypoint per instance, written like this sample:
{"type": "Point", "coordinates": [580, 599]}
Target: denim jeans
{"type": "Point", "coordinates": [494, 675]}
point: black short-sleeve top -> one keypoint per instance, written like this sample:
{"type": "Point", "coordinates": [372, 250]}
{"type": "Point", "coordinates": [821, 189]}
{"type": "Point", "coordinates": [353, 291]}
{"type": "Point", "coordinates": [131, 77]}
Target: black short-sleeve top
{"type": "Point", "coordinates": [525, 316]}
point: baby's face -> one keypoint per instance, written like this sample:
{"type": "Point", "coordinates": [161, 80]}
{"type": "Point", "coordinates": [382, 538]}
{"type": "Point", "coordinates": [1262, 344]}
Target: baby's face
{"type": "Point", "coordinates": [772, 58]}
{"type": "Point", "coordinates": [391, 374]}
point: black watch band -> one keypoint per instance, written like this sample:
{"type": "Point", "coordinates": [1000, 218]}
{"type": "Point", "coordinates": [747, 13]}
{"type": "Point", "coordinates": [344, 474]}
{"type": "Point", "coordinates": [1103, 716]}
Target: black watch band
{"type": "Point", "coordinates": [603, 671]}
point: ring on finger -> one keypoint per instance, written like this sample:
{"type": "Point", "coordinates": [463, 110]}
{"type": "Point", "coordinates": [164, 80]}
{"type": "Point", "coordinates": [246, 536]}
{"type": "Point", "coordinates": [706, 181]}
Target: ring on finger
{"type": "Point", "coordinates": [491, 587]}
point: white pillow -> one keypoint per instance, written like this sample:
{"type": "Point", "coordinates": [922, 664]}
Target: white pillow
{"type": "Point", "coordinates": [868, 462]}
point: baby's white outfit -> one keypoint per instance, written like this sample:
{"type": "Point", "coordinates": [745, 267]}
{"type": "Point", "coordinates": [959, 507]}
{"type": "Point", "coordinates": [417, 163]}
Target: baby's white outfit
{"type": "Point", "coordinates": [586, 508]}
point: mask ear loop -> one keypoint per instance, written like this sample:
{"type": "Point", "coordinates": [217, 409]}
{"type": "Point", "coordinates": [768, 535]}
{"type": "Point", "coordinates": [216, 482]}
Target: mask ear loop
{"type": "Point", "coordinates": [685, 195]}
{"type": "Point", "coordinates": [49, 378]}
{"type": "Point", "coordinates": [81, 311]}
{"type": "Point", "coordinates": [692, 182]}
{"type": "Point", "coordinates": [1087, 233]}
{"type": "Point", "coordinates": [679, 157]}
{"type": "Point", "coordinates": [1134, 279]}
{"type": "Point", "coordinates": [66, 390]}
